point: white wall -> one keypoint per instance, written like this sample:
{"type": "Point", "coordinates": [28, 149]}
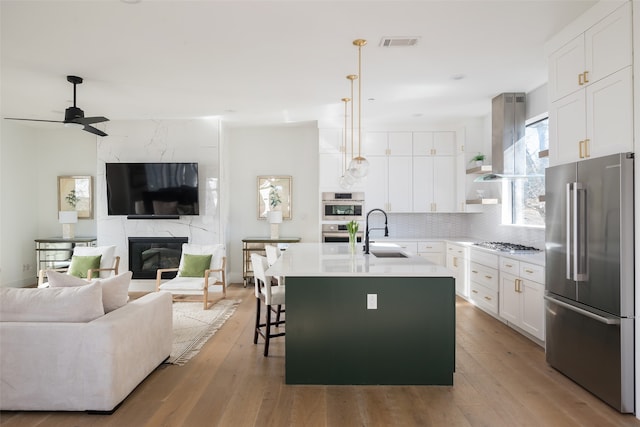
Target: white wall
{"type": "Point", "coordinates": [32, 159]}
{"type": "Point", "coordinates": [274, 150]}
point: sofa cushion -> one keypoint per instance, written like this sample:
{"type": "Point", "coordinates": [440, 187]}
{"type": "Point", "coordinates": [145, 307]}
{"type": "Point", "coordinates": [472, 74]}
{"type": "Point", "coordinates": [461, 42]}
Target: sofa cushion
{"type": "Point", "coordinates": [115, 290]}
{"type": "Point", "coordinates": [71, 304]}
{"type": "Point", "coordinates": [80, 265]}
{"type": "Point", "coordinates": [63, 280]}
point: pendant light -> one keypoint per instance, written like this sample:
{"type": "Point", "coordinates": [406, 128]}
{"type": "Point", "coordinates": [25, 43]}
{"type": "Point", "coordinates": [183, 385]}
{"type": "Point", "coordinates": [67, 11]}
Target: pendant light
{"type": "Point", "coordinates": [346, 180]}
{"type": "Point", "coordinates": [359, 166]}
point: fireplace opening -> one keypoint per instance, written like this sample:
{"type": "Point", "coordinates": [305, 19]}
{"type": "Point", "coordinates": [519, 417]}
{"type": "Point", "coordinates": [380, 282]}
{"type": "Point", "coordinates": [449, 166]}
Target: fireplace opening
{"type": "Point", "coordinates": [148, 254]}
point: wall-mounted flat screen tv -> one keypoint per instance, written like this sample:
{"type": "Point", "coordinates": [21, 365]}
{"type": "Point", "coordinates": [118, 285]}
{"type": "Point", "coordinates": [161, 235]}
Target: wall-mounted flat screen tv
{"type": "Point", "coordinates": [152, 189]}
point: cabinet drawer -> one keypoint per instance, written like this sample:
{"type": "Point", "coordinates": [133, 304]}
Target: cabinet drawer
{"type": "Point", "coordinates": [455, 249]}
{"type": "Point", "coordinates": [509, 265]}
{"type": "Point", "coordinates": [405, 246]}
{"type": "Point", "coordinates": [484, 276]}
{"type": "Point", "coordinates": [485, 258]}
{"type": "Point", "coordinates": [532, 272]}
{"type": "Point", "coordinates": [484, 297]}
{"type": "Point", "coordinates": [430, 247]}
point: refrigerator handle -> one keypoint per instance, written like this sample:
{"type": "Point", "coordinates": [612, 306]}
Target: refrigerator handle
{"type": "Point", "coordinates": [580, 266]}
{"type": "Point", "coordinates": [601, 319]}
{"type": "Point", "coordinates": [569, 227]}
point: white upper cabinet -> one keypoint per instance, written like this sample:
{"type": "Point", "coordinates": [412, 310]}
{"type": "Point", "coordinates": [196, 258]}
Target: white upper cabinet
{"type": "Point", "coordinates": [387, 144]}
{"type": "Point", "coordinates": [600, 51]}
{"type": "Point", "coordinates": [434, 143]}
{"type": "Point", "coordinates": [591, 91]}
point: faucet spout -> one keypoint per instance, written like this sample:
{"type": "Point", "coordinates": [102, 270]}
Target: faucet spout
{"type": "Point", "coordinates": [366, 236]}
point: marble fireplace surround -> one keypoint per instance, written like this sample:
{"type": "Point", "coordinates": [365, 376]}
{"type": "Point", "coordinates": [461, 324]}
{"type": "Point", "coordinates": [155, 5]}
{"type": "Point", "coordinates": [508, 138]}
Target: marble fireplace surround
{"type": "Point", "coordinates": [160, 141]}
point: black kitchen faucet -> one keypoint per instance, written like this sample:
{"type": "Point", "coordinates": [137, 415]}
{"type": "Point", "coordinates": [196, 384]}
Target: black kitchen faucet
{"type": "Point", "coordinates": [366, 236]}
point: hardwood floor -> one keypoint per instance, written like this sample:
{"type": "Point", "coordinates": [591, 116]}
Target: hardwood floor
{"type": "Point", "coordinates": [501, 380]}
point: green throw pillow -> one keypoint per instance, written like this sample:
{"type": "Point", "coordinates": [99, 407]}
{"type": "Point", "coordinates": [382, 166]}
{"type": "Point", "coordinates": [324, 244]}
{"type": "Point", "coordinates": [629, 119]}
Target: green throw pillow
{"type": "Point", "coordinates": [195, 265]}
{"type": "Point", "coordinates": [80, 265]}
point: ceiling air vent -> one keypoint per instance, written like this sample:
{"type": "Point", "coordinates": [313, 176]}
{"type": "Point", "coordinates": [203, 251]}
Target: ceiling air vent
{"type": "Point", "coordinates": [398, 41]}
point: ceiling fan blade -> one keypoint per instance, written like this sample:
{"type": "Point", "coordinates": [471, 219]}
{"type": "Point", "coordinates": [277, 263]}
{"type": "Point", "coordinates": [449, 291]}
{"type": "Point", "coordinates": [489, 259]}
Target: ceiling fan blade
{"type": "Point", "coordinates": [34, 120]}
{"type": "Point", "coordinates": [90, 120]}
{"type": "Point", "coordinates": [93, 130]}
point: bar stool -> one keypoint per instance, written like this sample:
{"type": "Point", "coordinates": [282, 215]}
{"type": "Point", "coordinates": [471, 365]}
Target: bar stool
{"type": "Point", "coordinates": [273, 298]}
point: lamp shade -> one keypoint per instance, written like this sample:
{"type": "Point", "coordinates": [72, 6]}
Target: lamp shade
{"type": "Point", "coordinates": [67, 217]}
{"type": "Point", "coordinates": [275, 217]}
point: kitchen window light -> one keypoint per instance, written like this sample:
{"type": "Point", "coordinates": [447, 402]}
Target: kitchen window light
{"type": "Point", "coordinates": [524, 204]}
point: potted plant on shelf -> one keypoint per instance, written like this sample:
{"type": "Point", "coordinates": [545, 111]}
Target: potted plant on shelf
{"type": "Point", "coordinates": [478, 159]}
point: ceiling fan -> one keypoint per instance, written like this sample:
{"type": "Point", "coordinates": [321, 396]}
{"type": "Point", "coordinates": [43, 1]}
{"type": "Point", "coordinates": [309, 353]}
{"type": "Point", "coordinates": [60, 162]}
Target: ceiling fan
{"type": "Point", "coordinates": [74, 116]}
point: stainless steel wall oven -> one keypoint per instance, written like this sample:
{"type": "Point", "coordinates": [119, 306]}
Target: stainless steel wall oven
{"type": "Point", "coordinates": [337, 233]}
{"type": "Point", "coordinates": [343, 206]}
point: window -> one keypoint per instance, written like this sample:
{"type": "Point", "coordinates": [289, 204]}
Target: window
{"type": "Point", "coordinates": [524, 204]}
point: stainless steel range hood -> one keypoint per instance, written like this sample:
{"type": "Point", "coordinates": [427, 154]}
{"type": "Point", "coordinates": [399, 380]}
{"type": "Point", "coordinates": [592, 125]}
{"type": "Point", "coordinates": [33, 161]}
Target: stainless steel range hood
{"type": "Point", "coordinates": [508, 116]}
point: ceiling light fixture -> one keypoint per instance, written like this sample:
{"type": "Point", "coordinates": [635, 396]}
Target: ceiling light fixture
{"type": "Point", "coordinates": [359, 166]}
{"type": "Point", "coordinates": [346, 180]}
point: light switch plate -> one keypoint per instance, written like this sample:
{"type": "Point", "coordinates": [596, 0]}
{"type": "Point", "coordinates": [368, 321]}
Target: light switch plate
{"type": "Point", "coordinates": [372, 301]}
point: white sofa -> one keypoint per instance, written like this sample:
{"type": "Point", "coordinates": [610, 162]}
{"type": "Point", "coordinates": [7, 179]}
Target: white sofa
{"type": "Point", "coordinates": [81, 365]}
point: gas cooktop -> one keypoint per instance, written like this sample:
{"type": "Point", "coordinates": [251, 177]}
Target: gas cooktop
{"type": "Point", "coordinates": [512, 248]}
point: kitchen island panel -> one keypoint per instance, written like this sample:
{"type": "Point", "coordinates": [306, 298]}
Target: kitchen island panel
{"type": "Point", "coordinates": [332, 338]}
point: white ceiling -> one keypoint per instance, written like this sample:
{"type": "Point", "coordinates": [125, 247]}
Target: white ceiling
{"type": "Point", "coordinates": [259, 62]}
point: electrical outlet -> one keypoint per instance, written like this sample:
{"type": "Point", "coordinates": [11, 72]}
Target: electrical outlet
{"type": "Point", "coordinates": [372, 301]}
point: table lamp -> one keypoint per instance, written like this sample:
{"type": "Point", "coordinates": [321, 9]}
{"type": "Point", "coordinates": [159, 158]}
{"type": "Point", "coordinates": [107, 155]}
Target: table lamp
{"type": "Point", "coordinates": [275, 218]}
{"type": "Point", "coordinates": [67, 219]}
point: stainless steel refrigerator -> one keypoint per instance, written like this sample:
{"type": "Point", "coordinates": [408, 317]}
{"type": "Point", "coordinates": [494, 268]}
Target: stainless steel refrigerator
{"type": "Point", "coordinates": [589, 298]}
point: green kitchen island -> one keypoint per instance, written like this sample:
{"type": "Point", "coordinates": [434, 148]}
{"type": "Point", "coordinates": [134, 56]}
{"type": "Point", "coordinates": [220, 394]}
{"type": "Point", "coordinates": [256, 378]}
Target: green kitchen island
{"type": "Point", "coordinates": [366, 319]}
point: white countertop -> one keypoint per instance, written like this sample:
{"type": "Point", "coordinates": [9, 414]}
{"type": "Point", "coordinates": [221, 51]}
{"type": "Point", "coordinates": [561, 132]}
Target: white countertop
{"type": "Point", "coordinates": [537, 258]}
{"type": "Point", "coordinates": [334, 259]}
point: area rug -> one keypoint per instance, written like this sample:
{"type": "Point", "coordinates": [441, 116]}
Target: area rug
{"type": "Point", "coordinates": [193, 326]}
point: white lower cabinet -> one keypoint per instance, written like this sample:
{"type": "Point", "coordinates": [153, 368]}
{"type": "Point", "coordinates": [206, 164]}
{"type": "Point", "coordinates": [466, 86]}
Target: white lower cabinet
{"type": "Point", "coordinates": [522, 295]}
{"type": "Point", "coordinates": [458, 262]}
{"type": "Point", "coordinates": [483, 281]}
{"type": "Point", "coordinates": [434, 251]}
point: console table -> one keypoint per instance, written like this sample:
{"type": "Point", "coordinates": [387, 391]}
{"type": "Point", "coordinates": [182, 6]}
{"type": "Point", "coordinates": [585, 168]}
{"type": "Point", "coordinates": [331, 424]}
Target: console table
{"type": "Point", "coordinates": [56, 252]}
{"type": "Point", "coordinates": [256, 245]}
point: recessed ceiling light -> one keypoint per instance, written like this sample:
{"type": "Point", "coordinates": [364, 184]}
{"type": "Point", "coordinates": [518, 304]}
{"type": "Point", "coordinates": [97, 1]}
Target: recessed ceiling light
{"type": "Point", "coordinates": [131, 1]}
{"type": "Point", "coordinates": [458, 77]}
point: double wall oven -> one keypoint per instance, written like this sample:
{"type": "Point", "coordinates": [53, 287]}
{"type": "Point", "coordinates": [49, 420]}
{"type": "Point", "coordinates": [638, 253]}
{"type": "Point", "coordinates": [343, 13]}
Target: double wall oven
{"type": "Point", "coordinates": [341, 208]}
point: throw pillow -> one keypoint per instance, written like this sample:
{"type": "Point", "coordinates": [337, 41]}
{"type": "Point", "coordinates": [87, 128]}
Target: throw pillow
{"type": "Point", "coordinates": [70, 304]}
{"type": "Point", "coordinates": [195, 265]}
{"type": "Point", "coordinates": [57, 279]}
{"type": "Point", "coordinates": [80, 265]}
{"type": "Point", "coordinates": [115, 291]}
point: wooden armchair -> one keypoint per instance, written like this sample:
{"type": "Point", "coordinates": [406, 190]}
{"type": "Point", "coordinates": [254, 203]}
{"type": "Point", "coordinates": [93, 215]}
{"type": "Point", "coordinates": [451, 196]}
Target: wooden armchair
{"type": "Point", "coordinates": [109, 263]}
{"type": "Point", "coordinates": [201, 272]}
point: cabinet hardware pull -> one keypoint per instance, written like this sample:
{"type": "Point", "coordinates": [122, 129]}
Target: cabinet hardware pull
{"type": "Point", "coordinates": [580, 149]}
{"type": "Point", "coordinates": [586, 148]}
{"type": "Point", "coordinates": [488, 277]}
{"type": "Point", "coordinates": [474, 291]}
{"type": "Point", "coordinates": [519, 285]}
{"type": "Point", "coordinates": [508, 265]}
{"type": "Point", "coordinates": [474, 271]}
{"type": "Point", "coordinates": [528, 271]}
{"type": "Point", "coordinates": [580, 79]}
{"type": "Point", "coordinates": [487, 298]}
{"type": "Point", "coordinates": [586, 77]}
{"type": "Point", "coordinates": [455, 261]}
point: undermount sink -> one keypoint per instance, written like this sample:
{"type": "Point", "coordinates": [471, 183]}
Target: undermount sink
{"type": "Point", "coordinates": [386, 254]}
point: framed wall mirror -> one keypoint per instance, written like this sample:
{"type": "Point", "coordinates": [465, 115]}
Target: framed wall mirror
{"type": "Point", "coordinates": [75, 193]}
{"type": "Point", "coordinates": [274, 194]}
